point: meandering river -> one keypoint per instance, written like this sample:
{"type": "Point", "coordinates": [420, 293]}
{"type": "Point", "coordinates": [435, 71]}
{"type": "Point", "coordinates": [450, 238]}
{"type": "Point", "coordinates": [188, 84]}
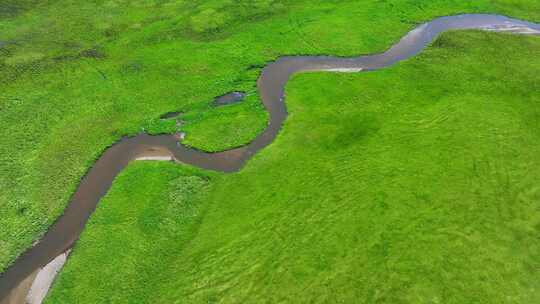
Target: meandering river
{"type": "Point", "coordinates": [14, 283]}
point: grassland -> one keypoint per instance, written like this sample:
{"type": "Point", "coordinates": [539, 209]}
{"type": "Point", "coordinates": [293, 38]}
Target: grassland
{"type": "Point", "coordinates": [76, 76]}
{"type": "Point", "coordinates": [414, 184]}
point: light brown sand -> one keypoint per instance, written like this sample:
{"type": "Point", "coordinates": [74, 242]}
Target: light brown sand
{"type": "Point", "coordinates": [44, 279]}
{"type": "Point", "coordinates": [18, 294]}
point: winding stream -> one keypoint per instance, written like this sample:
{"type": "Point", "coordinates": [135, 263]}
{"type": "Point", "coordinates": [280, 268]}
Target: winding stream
{"type": "Point", "coordinates": [66, 230]}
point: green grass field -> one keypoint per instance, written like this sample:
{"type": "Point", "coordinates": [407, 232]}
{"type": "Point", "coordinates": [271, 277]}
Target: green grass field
{"type": "Point", "coordinates": [75, 76]}
{"type": "Point", "coordinates": [414, 184]}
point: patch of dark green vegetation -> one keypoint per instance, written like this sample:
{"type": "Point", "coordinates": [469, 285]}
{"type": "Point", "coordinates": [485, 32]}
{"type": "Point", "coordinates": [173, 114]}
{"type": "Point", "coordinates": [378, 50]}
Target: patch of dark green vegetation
{"type": "Point", "coordinates": [12, 8]}
{"type": "Point", "coordinates": [414, 184]}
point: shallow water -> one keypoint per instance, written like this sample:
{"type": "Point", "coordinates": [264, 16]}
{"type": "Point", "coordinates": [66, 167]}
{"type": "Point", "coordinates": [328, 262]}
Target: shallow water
{"type": "Point", "coordinates": [229, 98]}
{"type": "Point", "coordinates": [95, 184]}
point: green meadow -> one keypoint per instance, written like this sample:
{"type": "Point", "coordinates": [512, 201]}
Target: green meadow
{"type": "Point", "coordinates": [414, 184]}
{"type": "Point", "coordinates": [417, 183]}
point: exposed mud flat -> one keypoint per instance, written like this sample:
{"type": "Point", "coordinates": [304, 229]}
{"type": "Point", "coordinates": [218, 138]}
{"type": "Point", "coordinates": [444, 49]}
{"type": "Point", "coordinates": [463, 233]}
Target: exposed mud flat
{"type": "Point", "coordinates": [18, 294]}
{"type": "Point", "coordinates": [34, 288]}
{"type": "Point", "coordinates": [44, 279]}
{"type": "Point", "coordinates": [271, 84]}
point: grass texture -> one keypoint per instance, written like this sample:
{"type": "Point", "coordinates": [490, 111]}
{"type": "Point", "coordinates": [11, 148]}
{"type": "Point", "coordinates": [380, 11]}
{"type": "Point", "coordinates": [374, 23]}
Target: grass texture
{"type": "Point", "coordinates": [414, 184]}
{"type": "Point", "coordinates": [76, 76]}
